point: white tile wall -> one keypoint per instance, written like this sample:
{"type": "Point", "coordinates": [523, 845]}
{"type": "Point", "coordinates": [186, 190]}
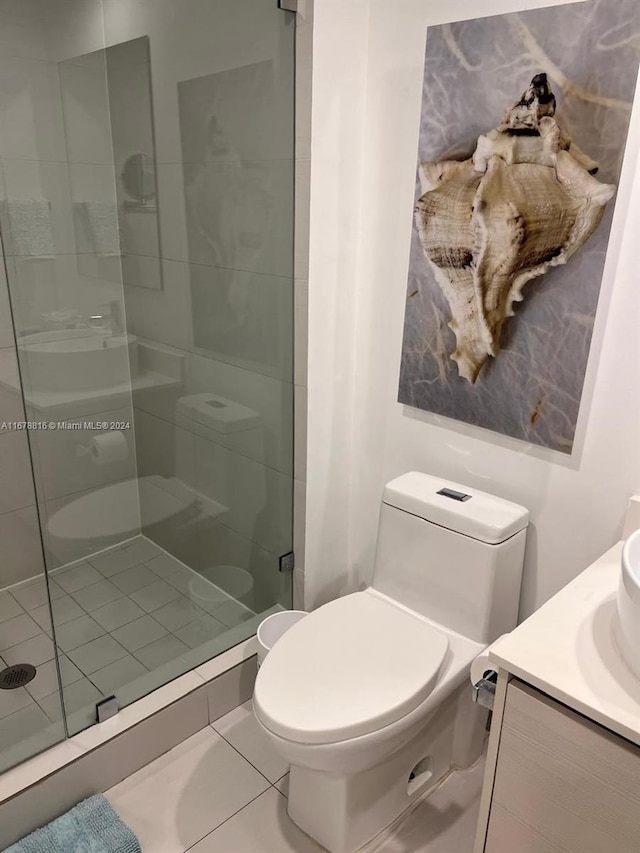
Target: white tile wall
{"type": "Point", "coordinates": [83, 83]}
{"type": "Point", "coordinates": [10, 400]}
{"type": "Point", "coordinates": [53, 31]}
{"type": "Point", "coordinates": [163, 448]}
{"type": "Point", "coordinates": [6, 327]}
{"type": "Point", "coordinates": [62, 471]}
{"type": "Point", "coordinates": [17, 485]}
{"type": "Point", "coordinates": [22, 554]}
{"type": "Point", "coordinates": [44, 178]}
{"type": "Point", "coordinates": [173, 223]}
{"type": "Point", "coordinates": [163, 315]}
{"type": "Point", "coordinates": [258, 499]}
{"type": "Point", "coordinates": [270, 397]}
{"type": "Point", "coordinates": [41, 179]}
{"type": "Point", "coordinates": [30, 110]}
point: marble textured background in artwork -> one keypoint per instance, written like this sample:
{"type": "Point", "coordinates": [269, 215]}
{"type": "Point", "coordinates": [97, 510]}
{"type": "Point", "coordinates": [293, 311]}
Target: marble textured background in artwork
{"type": "Point", "coordinates": [474, 70]}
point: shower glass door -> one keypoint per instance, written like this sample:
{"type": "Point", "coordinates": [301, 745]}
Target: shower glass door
{"type": "Point", "coordinates": [147, 222]}
{"type": "Point", "coordinates": [31, 717]}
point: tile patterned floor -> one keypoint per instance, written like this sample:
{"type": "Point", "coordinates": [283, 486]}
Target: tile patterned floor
{"type": "Point", "coordinates": [118, 615]}
{"type": "Point", "coordinates": [224, 789]}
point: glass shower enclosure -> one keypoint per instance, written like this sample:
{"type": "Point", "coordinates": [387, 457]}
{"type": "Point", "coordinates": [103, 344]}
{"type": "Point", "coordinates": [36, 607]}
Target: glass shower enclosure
{"type": "Point", "coordinates": [146, 346]}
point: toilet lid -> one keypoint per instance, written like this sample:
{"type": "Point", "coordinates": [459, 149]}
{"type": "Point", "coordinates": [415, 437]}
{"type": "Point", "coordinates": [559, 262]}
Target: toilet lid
{"type": "Point", "coordinates": [349, 668]}
{"type": "Point", "coordinates": [113, 511]}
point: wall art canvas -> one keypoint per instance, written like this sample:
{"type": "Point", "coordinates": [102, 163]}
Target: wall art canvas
{"type": "Point", "coordinates": [523, 130]}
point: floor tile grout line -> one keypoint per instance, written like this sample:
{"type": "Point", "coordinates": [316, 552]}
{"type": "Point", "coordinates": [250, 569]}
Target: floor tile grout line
{"type": "Point", "coordinates": [211, 725]}
{"type": "Point", "coordinates": [87, 677]}
{"type": "Point", "coordinates": [89, 674]}
{"type": "Point", "coordinates": [211, 831]}
{"type": "Point", "coordinates": [24, 708]}
{"type": "Point", "coordinates": [58, 570]}
{"type": "Point", "coordinates": [28, 640]}
{"type": "Point", "coordinates": [2, 621]}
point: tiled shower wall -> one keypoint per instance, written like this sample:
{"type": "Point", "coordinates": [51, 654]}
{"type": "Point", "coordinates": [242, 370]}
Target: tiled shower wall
{"type": "Point", "coordinates": [163, 318]}
{"type": "Point", "coordinates": [21, 552]}
{"type": "Point", "coordinates": [251, 474]}
{"type": "Point", "coordinates": [50, 273]}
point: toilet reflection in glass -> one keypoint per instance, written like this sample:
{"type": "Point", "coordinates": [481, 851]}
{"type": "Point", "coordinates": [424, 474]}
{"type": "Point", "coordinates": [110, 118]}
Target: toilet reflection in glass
{"type": "Point", "coordinates": [368, 697]}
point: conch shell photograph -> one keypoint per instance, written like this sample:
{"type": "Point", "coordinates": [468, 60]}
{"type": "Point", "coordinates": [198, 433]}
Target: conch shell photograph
{"type": "Point", "coordinates": [513, 216]}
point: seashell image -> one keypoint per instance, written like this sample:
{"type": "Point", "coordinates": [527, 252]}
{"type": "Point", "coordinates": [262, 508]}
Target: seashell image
{"type": "Point", "coordinates": [526, 201]}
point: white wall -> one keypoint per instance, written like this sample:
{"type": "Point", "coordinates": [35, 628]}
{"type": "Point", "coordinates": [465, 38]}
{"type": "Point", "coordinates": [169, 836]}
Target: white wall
{"type": "Point", "coordinates": [359, 436]}
{"type": "Point", "coordinates": [337, 142]}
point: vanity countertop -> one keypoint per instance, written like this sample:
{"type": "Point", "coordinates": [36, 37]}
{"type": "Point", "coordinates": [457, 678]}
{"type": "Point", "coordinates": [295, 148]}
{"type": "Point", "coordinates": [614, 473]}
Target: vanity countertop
{"type": "Point", "coordinates": [567, 649]}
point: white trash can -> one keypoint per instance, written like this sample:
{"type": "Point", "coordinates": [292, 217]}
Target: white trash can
{"type": "Point", "coordinates": [273, 627]}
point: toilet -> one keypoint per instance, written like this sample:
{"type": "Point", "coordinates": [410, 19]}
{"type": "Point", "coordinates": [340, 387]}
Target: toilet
{"type": "Point", "coordinates": [110, 513]}
{"type": "Point", "coordinates": [368, 698]}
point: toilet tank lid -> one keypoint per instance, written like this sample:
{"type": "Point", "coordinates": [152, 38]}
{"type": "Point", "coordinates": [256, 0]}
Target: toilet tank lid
{"type": "Point", "coordinates": [218, 413]}
{"type": "Point", "coordinates": [456, 507]}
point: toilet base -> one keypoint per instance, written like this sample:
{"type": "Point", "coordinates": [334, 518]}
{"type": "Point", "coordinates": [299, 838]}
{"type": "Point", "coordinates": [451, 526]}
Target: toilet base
{"type": "Point", "coordinates": [343, 813]}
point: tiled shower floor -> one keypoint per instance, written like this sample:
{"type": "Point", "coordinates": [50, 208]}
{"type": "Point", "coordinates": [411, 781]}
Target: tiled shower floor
{"type": "Point", "coordinates": [118, 616]}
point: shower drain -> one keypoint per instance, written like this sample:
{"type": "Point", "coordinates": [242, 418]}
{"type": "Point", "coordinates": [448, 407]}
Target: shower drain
{"type": "Point", "coordinates": [16, 676]}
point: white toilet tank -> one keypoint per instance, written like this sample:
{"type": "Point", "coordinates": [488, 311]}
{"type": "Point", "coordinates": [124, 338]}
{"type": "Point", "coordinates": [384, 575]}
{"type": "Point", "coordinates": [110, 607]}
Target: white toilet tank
{"type": "Point", "coordinates": [452, 553]}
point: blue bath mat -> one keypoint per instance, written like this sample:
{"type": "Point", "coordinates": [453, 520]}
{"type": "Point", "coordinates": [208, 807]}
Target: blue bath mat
{"type": "Point", "coordinates": [90, 827]}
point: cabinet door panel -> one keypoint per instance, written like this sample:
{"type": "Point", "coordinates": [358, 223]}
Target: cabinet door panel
{"type": "Point", "coordinates": [563, 784]}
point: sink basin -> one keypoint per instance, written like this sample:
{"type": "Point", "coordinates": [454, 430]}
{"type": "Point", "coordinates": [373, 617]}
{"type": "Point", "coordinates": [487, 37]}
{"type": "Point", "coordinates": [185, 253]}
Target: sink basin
{"type": "Point", "coordinates": [629, 603]}
{"type": "Point", "coordinates": [77, 360]}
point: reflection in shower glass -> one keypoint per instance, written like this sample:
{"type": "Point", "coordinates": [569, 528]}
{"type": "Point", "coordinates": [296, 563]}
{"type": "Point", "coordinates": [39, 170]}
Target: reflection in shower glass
{"type": "Point", "coordinates": [238, 197]}
{"type": "Point", "coordinates": [147, 225]}
{"type": "Point", "coordinates": [117, 233]}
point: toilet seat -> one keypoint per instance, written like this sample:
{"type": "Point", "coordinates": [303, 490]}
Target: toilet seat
{"type": "Point", "coordinates": [349, 668]}
{"type": "Point", "coordinates": [112, 512]}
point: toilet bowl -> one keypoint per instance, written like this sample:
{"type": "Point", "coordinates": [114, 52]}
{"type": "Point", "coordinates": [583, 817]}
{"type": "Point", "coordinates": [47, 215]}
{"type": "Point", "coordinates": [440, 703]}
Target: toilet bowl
{"type": "Point", "coordinates": [114, 512]}
{"type": "Point", "coordinates": [368, 697]}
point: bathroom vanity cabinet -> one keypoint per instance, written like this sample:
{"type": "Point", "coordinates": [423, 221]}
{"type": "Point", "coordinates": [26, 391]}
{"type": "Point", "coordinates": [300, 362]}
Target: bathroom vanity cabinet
{"type": "Point", "coordinates": [561, 783]}
{"type": "Point", "coordinates": [563, 764]}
